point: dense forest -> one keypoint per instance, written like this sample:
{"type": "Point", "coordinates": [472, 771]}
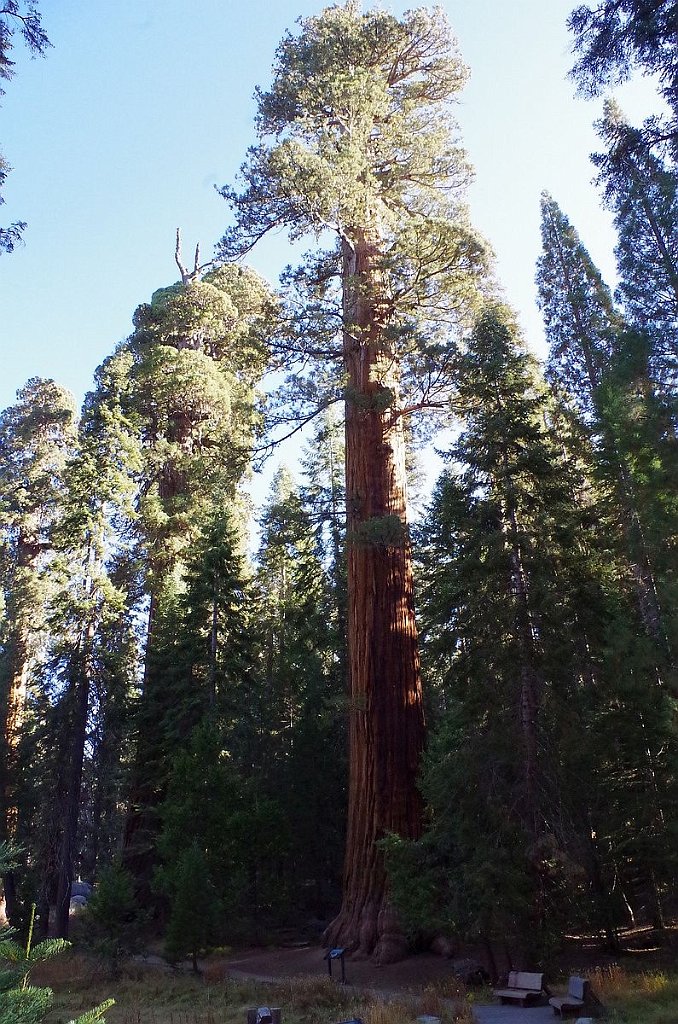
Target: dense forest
{"type": "Point", "coordinates": [318, 716]}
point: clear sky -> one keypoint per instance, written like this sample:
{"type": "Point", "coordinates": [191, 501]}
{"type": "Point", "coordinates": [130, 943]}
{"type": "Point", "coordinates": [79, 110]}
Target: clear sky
{"type": "Point", "coordinates": [120, 134]}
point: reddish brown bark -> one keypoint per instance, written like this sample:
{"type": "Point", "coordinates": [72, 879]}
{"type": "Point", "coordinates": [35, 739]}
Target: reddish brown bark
{"type": "Point", "coordinates": [13, 690]}
{"type": "Point", "coordinates": [386, 719]}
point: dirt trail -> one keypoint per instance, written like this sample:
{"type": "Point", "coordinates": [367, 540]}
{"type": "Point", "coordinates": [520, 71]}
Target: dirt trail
{"type": "Point", "coordinates": [413, 974]}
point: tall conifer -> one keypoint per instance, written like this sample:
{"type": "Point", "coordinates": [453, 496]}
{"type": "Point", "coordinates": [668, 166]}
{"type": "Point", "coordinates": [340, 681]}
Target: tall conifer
{"type": "Point", "coordinates": [356, 141]}
{"type": "Point", "coordinates": [37, 438]}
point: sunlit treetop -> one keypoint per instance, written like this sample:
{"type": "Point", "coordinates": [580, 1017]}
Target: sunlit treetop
{"type": "Point", "coordinates": [225, 316]}
{"type": "Point", "coordinates": [357, 125]}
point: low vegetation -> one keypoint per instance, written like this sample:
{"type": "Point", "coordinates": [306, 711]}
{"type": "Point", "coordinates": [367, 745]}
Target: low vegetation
{"type": "Point", "coordinates": [146, 995]}
{"type": "Point", "coordinates": [647, 997]}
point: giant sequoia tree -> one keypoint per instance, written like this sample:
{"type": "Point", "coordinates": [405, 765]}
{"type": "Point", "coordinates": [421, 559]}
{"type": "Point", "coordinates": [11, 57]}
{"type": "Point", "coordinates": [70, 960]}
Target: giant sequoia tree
{"type": "Point", "coordinates": [198, 351]}
{"type": "Point", "coordinates": [357, 145]}
{"type": "Point", "coordinates": [37, 435]}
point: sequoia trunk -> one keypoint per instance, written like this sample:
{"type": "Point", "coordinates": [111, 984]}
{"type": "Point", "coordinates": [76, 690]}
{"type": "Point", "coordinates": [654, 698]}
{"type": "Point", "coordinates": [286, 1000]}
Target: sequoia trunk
{"type": "Point", "coordinates": [13, 690]}
{"type": "Point", "coordinates": [386, 714]}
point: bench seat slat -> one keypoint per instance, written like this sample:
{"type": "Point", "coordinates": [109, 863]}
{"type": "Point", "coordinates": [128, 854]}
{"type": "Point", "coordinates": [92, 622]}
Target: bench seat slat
{"type": "Point", "coordinates": [518, 992]}
{"type": "Point", "coordinates": [565, 1003]}
{"type": "Point", "coordinates": [522, 987]}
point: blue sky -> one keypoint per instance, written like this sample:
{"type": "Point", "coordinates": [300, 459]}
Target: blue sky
{"type": "Point", "coordinates": [120, 134]}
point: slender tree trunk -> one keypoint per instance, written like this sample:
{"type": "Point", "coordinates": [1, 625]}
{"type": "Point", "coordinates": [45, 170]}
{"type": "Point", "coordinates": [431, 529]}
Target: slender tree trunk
{"type": "Point", "coordinates": [386, 730]}
{"type": "Point", "coordinates": [214, 647]}
{"type": "Point", "coordinates": [601, 894]}
{"type": "Point", "coordinates": [531, 678]}
{"type": "Point", "coordinates": [137, 852]}
{"type": "Point", "coordinates": [77, 725]}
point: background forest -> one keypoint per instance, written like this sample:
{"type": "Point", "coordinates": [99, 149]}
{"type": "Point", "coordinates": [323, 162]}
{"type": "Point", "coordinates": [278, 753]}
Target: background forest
{"type": "Point", "coordinates": [174, 703]}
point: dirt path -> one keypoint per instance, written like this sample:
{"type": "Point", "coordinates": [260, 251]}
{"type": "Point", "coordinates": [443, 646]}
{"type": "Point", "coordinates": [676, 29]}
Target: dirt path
{"type": "Point", "coordinates": [411, 975]}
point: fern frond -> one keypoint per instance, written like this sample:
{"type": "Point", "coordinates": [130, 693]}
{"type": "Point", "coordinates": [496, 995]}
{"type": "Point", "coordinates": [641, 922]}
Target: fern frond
{"type": "Point", "coordinates": [47, 949]}
{"type": "Point", "coordinates": [94, 1015]}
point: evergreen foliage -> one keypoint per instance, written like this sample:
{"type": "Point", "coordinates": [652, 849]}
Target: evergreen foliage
{"type": "Point", "coordinates": [24, 18]}
{"type": "Point", "coordinates": [592, 347]}
{"type": "Point", "coordinates": [38, 437]}
{"type": "Point", "coordinates": [194, 907]}
{"type": "Point", "coordinates": [237, 833]}
{"type": "Point", "coordinates": [198, 350]}
{"type": "Point", "coordinates": [580, 320]}
{"type": "Point", "coordinates": [175, 720]}
{"type": "Point", "coordinates": [642, 190]}
{"type": "Point", "coordinates": [503, 576]}
{"type": "Point", "coordinates": [617, 35]}
{"type": "Point", "coordinates": [21, 1002]}
{"type": "Point", "coordinates": [357, 145]}
{"type": "Point", "coordinates": [303, 689]}
{"type": "Point", "coordinates": [112, 920]}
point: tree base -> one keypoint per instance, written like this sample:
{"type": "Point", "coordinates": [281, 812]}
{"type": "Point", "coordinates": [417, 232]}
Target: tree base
{"type": "Point", "coordinates": [371, 933]}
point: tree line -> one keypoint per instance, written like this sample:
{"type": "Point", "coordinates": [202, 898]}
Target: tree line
{"type": "Point", "coordinates": [212, 733]}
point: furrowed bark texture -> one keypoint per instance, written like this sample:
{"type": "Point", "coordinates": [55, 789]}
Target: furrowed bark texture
{"type": "Point", "coordinates": [386, 718]}
{"type": "Point", "coordinates": [13, 690]}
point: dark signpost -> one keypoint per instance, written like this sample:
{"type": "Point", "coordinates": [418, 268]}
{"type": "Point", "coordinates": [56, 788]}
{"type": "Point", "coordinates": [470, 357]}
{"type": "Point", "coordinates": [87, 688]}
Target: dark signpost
{"type": "Point", "coordinates": [336, 954]}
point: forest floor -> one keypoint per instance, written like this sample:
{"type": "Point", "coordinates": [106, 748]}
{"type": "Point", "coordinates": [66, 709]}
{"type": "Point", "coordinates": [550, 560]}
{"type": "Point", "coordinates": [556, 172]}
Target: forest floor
{"type": "Point", "coordinates": [643, 951]}
{"type": "Point", "coordinates": [414, 973]}
{"type": "Point", "coordinates": [641, 986]}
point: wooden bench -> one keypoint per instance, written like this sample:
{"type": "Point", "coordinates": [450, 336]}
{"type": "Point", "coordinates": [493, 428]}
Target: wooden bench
{"type": "Point", "coordinates": [522, 987]}
{"type": "Point", "coordinates": [577, 993]}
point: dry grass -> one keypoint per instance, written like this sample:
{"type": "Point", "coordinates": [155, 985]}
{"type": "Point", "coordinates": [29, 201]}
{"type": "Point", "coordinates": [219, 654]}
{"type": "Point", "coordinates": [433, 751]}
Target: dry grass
{"type": "Point", "coordinates": [648, 997]}
{"type": "Point", "coordinates": [392, 1011]}
{"type": "Point", "coordinates": [146, 995]}
{"type": "Point", "coordinates": [447, 988]}
{"type": "Point", "coordinates": [614, 982]}
{"type": "Point", "coordinates": [71, 970]}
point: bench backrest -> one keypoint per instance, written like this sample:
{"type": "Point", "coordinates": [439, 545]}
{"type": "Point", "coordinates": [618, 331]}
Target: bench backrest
{"type": "Point", "coordinates": [525, 979]}
{"type": "Point", "coordinates": [576, 987]}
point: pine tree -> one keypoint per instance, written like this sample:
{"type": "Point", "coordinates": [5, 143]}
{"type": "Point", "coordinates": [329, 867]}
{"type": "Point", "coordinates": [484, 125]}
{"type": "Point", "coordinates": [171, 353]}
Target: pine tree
{"type": "Point", "coordinates": [501, 581]}
{"type": "Point", "coordinates": [21, 1002]}
{"type": "Point", "coordinates": [580, 319]}
{"type": "Point", "coordinates": [302, 695]}
{"type": "Point", "coordinates": [631, 463]}
{"type": "Point", "coordinates": [324, 496]}
{"type": "Point", "coordinates": [588, 338]}
{"type": "Point", "coordinates": [642, 191]}
{"type": "Point", "coordinates": [239, 837]}
{"type": "Point", "coordinates": [356, 139]}
{"type": "Point", "coordinates": [535, 651]}
{"type": "Point", "coordinates": [90, 615]}
{"type": "Point", "coordinates": [194, 908]}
